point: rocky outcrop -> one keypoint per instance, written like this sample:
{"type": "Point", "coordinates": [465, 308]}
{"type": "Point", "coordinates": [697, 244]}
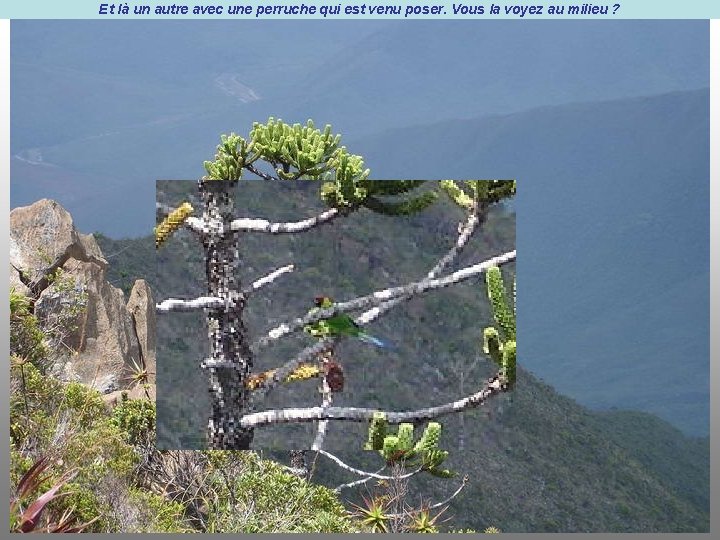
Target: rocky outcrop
{"type": "Point", "coordinates": [103, 340]}
{"type": "Point", "coordinates": [142, 310]}
{"type": "Point", "coordinates": [141, 307]}
{"type": "Point", "coordinates": [42, 239]}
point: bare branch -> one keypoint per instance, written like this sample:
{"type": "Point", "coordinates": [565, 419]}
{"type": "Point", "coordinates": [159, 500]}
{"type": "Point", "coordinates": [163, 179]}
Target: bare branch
{"type": "Point", "coordinates": [267, 177]}
{"type": "Point", "coordinates": [443, 503]}
{"type": "Point", "coordinates": [353, 470]}
{"type": "Point", "coordinates": [451, 497]}
{"type": "Point", "coordinates": [377, 298]}
{"type": "Point", "coordinates": [200, 225]}
{"type": "Point", "coordinates": [465, 231]}
{"type": "Point", "coordinates": [323, 424]}
{"type": "Point", "coordinates": [202, 302]}
{"type": "Point", "coordinates": [263, 225]}
{"type": "Point", "coordinates": [494, 386]}
{"type": "Point", "coordinates": [307, 354]}
{"type": "Point", "coordinates": [339, 488]}
{"type": "Point", "coordinates": [272, 276]}
{"type": "Point", "coordinates": [196, 224]}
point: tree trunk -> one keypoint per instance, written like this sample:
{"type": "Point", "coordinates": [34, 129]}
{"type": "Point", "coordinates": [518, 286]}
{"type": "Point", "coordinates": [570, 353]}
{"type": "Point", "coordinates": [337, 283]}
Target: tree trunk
{"type": "Point", "coordinates": [230, 360]}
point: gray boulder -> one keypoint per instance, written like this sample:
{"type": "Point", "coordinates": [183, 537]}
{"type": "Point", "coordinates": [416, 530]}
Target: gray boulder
{"type": "Point", "coordinates": [103, 339]}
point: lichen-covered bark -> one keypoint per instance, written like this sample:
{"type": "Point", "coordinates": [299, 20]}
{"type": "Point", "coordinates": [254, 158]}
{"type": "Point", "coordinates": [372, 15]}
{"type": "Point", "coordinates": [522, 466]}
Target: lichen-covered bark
{"type": "Point", "coordinates": [230, 360]}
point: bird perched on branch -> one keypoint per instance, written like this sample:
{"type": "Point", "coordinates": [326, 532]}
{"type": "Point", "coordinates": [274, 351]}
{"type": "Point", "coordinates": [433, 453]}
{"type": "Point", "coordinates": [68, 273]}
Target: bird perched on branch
{"type": "Point", "coordinates": [339, 325]}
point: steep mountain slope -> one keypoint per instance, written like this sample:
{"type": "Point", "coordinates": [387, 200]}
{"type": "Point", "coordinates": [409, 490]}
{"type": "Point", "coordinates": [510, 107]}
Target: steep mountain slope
{"type": "Point", "coordinates": [548, 464]}
{"type": "Point", "coordinates": [613, 229]}
{"type": "Point", "coordinates": [538, 462]}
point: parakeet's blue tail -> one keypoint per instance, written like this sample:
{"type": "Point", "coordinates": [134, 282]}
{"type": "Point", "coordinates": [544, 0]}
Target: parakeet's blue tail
{"type": "Point", "coordinates": [367, 338]}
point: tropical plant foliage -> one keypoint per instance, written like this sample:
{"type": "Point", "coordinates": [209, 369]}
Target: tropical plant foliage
{"type": "Point", "coordinates": [297, 152]}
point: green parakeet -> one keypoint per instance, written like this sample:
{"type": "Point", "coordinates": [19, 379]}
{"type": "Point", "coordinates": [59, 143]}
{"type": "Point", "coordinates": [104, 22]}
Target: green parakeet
{"type": "Point", "coordinates": [339, 325]}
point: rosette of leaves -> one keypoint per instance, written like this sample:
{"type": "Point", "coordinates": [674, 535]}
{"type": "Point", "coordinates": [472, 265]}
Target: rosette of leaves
{"type": "Point", "coordinates": [424, 522]}
{"type": "Point", "coordinates": [373, 514]}
{"type": "Point", "coordinates": [402, 447]}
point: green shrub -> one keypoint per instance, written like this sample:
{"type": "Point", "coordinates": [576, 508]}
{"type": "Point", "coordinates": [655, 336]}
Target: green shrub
{"type": "Point", "coordinates": [164, 515]}
{"type": "Point", "coordinates": [85, 404]}
{"type": "Point", "coordinates": [238, 492]}
{"type": "Point", "coordinates": [135, 418]}
{"type": "Point", "coordinates": [269, 499]}
{"type": "Point", "coordinates": [27, 340]}
{"type": "Point", "coordinates": [87, 506]}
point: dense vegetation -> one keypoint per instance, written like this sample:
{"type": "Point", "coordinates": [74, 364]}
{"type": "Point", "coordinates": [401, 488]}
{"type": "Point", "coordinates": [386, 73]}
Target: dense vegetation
{"type": "Point", "coordinates": [79, 465]}
{"type": "Point", "coordinates": [124, 485]}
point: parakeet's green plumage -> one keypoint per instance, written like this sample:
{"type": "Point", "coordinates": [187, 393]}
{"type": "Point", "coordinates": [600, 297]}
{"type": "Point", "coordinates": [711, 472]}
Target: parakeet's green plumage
{"type": "Point", "coordinates": [338, 325]}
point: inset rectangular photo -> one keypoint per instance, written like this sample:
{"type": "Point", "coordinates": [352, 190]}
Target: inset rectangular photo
{"type": "Point", "coordinates": [322, 315]}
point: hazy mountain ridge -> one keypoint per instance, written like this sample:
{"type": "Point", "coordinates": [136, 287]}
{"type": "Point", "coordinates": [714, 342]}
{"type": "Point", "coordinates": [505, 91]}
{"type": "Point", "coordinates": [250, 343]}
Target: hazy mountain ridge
{"type": "Point", "coordinates": [465, 69]}
{"type": "Point", "coordinates": [360, 76]}
{"type": "Point", "coordinates": [615, 226]}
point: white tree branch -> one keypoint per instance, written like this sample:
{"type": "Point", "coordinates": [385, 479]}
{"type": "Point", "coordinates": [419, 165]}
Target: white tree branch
{"type": "Point", "coordinates": [379, 297]}
{"type": "Point", "coordinates": [466, 230]}
{"type": "Point", "coordinates": [213, 302]}
{"type": "Point", "coordinates": [202, 302]}
{"type": "Point", "coordinates": [272, 276]}
{"type": "Point", "coordinates": [196, 224]}
{"type": "Point", "coordinates": [353, 470]}
{"type": "Point", "coordinates": [263, 225]}
{"type": "Point", "coordinates": [200, 225]}
{"type": "Point", "coordinates": [451, 497]}
{"type": "Point", "coordinates": [339, 488]}
{"type": "Point", "coordinates": [494, 386]}
{"type": "Point", "coordinates": [323, 424]}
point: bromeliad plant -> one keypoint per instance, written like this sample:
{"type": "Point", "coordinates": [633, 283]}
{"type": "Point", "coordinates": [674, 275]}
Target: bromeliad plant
{"type": "Point", "coordinates": [26, 517]}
